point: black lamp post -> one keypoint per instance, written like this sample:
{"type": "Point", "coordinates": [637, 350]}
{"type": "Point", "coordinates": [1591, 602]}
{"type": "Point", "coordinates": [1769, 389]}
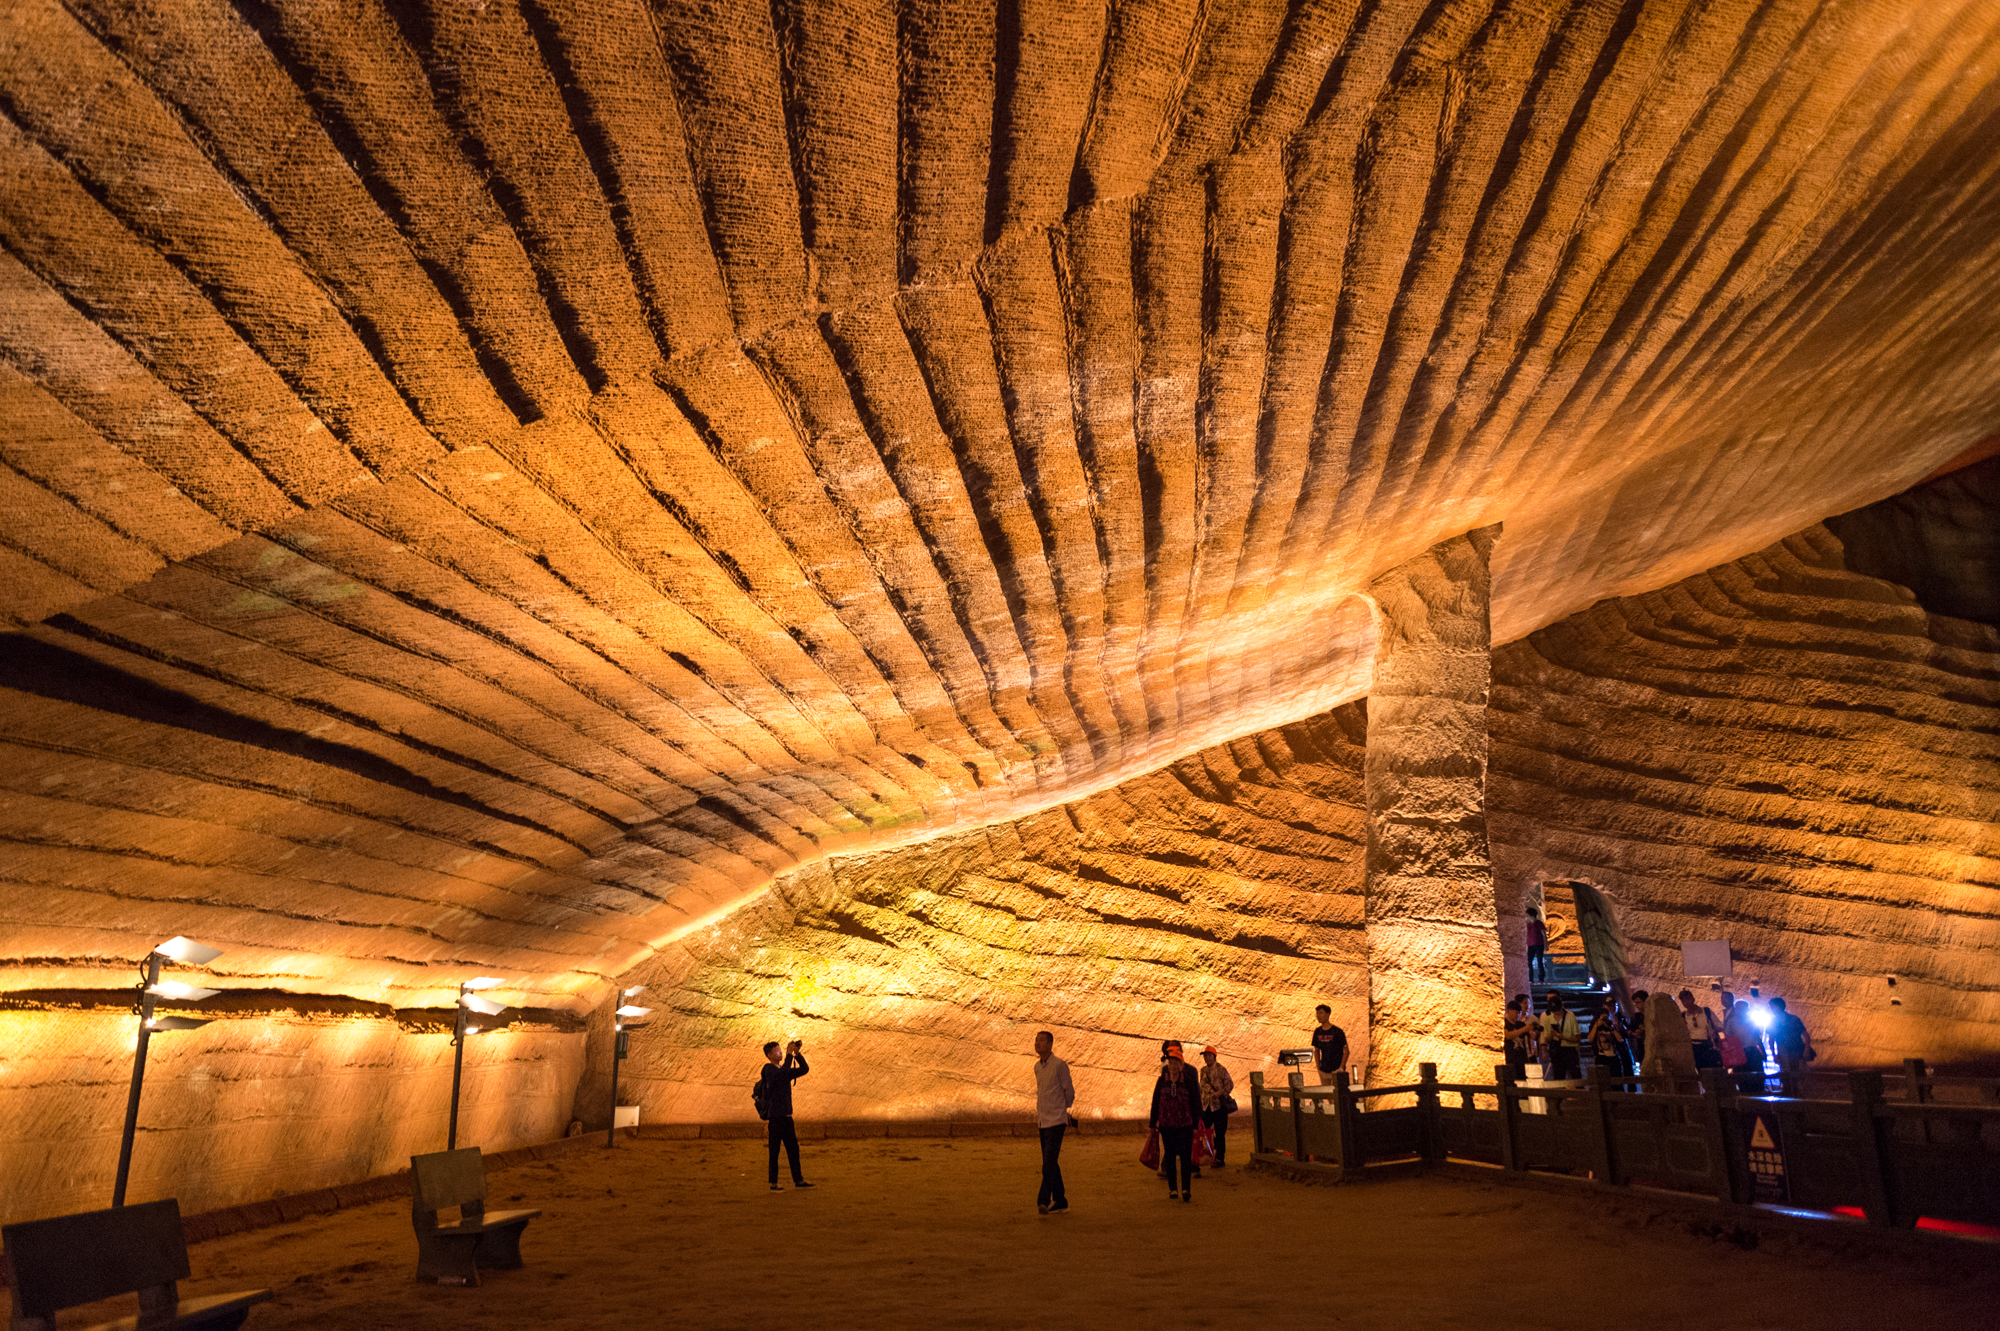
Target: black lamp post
{"type": "Point", "coordinates": [470, 1004]}
{"type": "Point", "coordinates": [622, 1020]}
{"type": "Point", "coordinates": [151, 989]}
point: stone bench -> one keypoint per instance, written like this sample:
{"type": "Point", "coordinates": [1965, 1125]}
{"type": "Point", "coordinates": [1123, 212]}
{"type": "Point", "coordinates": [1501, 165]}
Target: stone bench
{"type": "Point", "coordinates": [451, 1254]}
{"type": "Point", "coordinates": [72, 1260]}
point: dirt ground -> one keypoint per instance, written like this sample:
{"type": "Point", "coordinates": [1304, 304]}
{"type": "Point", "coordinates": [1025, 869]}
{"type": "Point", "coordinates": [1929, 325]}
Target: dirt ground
{"type": "Point", "coordinates": [934, 1233]}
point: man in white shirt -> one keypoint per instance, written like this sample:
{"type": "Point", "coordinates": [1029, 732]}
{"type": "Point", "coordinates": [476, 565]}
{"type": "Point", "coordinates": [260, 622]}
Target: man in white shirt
{"type": "Point", "coordinates": [1054, 1094]}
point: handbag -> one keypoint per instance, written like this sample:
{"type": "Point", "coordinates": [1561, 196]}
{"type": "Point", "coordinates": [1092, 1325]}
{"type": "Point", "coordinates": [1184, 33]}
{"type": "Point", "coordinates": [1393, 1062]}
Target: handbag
{"type": "Point", "coordinates": [1228, 1104]}
{"type": "Point", "coordinates": [1149, 1154]}
{"type": "Point", "coordinates": [1204, 1146]}
{"type": "Point", "coordinates": [1734, 1055]}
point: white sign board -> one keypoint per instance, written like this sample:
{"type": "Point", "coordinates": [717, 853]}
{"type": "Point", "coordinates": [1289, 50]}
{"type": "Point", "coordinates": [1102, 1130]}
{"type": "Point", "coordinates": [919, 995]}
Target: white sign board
{"type": "Point", "coordinates": [1707, 957]}
{"type": "Point", "coordinates": [625, 1116]}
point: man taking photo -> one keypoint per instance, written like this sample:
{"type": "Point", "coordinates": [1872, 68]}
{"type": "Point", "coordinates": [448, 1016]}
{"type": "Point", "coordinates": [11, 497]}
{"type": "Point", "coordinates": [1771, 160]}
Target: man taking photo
{"type": "Point", "coordinates": [775, 1099]}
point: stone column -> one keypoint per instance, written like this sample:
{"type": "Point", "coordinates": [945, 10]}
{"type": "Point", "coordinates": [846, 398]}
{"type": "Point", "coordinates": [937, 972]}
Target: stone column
{"type": "Point", "coordinates": [1434, 987]}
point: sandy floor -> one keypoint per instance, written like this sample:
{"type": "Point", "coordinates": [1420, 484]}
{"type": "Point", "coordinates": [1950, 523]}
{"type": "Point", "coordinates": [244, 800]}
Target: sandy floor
{"type": "Point", "coordinates": [945, 1234]}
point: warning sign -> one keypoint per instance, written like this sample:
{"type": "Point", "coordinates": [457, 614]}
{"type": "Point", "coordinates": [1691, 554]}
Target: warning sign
{"type": "Point", "coordinates": [1767, 1162]}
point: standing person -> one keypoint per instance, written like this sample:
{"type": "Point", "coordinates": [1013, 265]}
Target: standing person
{"type": "Point", "coordinates": [1607, 1043]}
{"type": "Point", "coordinates": [1517, 1033]}
{"type": "Point", "coordinates": [1329, 1044]}
{"type": "Point", "coordinates": [1793, 1046]}
{"type": "Point", "coordinates": [1635, 1030]}
{"type": "Point", "coordinates": [1176, 1109]}
{"type": "Point", "coordinates": [1054, 1094]}
{"type": "Point", "coordinates": [1538, 947]}
{"type": "Point", "coordinates": [1216, 1101]}
{"type": "Point", "coordinates": [1561, 1038]}
{"type": "Point", "coordinates": [1740, 1042]}
{"type": "Point", "coordinates": [1701, 1031]}
{"type": "Point", "coordinates": [780, 1071]}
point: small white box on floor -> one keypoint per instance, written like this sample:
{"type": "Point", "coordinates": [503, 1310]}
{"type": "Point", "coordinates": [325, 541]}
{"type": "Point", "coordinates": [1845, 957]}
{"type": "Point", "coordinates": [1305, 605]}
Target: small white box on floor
{"type": "Point", "coordinates": [626, 1116]}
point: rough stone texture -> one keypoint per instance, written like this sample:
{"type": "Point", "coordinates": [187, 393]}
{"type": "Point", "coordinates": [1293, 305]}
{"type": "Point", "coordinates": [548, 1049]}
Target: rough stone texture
{"type": "Point", "coordinates": [253, 1106]}
{"type": "Point", "coordinates": [1786, 753]}
{"type": "Point", "coordinates": [1217, 900]}
{"type": "Point", "coordinates": [489, 489]}
{"type": "Point", "coordinates": [1433, 950]}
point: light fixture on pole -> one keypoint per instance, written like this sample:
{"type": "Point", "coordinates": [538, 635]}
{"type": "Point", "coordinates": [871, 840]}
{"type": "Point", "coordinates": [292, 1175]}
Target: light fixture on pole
{"type": "Point", "coordinates": [469, 1003]}
{"type": "Point", "coordinates": [623, 1019]}
{"type": "Point", "coordinates": [151, 990]}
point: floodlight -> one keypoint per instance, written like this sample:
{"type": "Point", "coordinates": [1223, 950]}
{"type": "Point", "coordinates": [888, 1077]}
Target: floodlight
{"type": "Point", "coordinates": [1761, 1018]}
{"type": "Point", "coordinates": [187, 952]}
{"type": "Point", "coordinates": [175, 1023]}
{"type": "Point", "coordinates": [485, 1007]}
{"type": "Point", "coordinates": [185, 992]}
{"type": "Point", "coordinates": [633, 992]}
{"type": "Point", "coordinates": [472, 1030]}
{"type": "Point", "coordinates": [483, 982]}
{"type": "Point", "coordinates": [629, 1011]}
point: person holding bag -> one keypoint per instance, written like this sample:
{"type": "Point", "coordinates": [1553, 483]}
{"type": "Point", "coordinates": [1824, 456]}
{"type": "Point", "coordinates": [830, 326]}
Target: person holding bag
{"type": "Point", "coordinates": [1701, 1029]}
{"type": "Point", "coordinates": [1176, 1111]}
{"type": "Point", "coordinates": [1217, 1104]}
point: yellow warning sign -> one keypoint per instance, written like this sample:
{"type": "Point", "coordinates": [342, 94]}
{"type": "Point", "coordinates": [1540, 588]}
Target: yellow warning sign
{"type": "Point", "coordinates": [1760, 1138]}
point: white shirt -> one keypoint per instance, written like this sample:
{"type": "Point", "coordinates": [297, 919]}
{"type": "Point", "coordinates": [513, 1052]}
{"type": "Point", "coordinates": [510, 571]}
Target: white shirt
{"type": "Point", "coordinates": [1054, 1092]}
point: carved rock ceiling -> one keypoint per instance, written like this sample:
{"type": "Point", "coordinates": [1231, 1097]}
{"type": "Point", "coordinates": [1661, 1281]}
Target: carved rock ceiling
{"type": "Point", "coordinates": [486, 487]}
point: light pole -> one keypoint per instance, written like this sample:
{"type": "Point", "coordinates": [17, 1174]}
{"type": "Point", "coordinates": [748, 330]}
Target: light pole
{"type": "Point", "coordinates": [151, 989]}
{"type": "Point", "coordinates": [622, 1020]}
{"type": "Point", "coordinates": [469, 1002]}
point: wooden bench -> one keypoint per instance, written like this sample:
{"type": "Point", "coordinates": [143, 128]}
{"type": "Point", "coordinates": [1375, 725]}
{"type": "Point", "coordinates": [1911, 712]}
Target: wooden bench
{"type": "Point", "coordinates": [452, 1254]}
{"type": "Point", "coordinates": [77, 1259]}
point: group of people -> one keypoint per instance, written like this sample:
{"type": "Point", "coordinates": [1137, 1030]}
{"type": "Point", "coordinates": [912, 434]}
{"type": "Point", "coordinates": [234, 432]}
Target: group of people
{"type": "Point", "coordinates": [1184, 1099]}
{"type": "Point", "coordinates": [1654, 1035]}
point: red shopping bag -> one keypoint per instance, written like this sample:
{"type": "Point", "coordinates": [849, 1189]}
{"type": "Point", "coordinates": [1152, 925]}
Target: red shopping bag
{"type": "Point", "coordinates": [1149, 1154]}
{"type": "Point", "coordinates": [1204, 1147]}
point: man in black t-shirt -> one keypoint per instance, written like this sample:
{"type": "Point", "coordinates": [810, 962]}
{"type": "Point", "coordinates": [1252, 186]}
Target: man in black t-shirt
{"type": "Point", "coordinates": [1329, 1044]}
{"type": "Point", "coordinates": [779, 1072]}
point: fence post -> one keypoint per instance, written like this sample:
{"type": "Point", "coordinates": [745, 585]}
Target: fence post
{"type": "Point", "coordinates": [1593, 1084]}
{"type": "Point", "coordinates": [1721, 1177]}
{"type": "Point", "coordinates": [1917, 1073]}
{"type": "Point", "coordinates": [1256, 1114]}
{"type": "Point", "coordinates": [1296, 1081]}
{"type": "Point", "coordinates": [1865, 1091]}
{"type": "Point", "coordinates": [1351, 1154]}
{"type": "Point", "coordinates": [1510, 1109]}
{"type": "Point", "coordinates": [1430, 1140]}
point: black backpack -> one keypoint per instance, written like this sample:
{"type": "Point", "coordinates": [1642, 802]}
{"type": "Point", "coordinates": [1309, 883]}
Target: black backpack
{"type": "Point", "coordinates": [757, 1098]}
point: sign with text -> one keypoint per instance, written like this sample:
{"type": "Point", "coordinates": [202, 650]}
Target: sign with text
{"type": "Point", "coordinates": [1767, 1161]}
{"type": "Point", "coordinates": [1709, 956]}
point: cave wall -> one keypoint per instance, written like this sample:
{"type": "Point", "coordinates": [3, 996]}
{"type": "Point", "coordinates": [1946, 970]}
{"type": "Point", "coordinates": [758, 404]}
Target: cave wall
{"type": "Point", "coordinates": [1786, 753]}
{"type": "Point", "coordinates": [1216, 900]}
{"type": "Point", "coordinates": [257, 1104]}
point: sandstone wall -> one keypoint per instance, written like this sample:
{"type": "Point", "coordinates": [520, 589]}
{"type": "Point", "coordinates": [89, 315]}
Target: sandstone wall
{"type": "Point", "coordinates": [1785, 753]}
{"type": "Point", "coordinates": [1218, 900]}
{"type": "Point", "coordinates": [256, 1104]}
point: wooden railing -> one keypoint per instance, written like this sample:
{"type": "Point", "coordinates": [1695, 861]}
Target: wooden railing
{"type": "Point", "coordinates": [1896, 1160]}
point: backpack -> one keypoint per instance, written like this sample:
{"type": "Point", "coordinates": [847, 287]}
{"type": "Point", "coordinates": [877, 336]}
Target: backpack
{"type": "Point", "coordinates": [757, 1098]}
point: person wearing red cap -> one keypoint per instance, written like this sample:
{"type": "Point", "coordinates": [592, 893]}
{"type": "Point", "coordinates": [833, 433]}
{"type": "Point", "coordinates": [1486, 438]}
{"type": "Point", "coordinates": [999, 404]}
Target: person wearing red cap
{"type": "Point", "coordinates": [1176, 1110]}
{"type": "Point", "coordinates": [1217, 1101]}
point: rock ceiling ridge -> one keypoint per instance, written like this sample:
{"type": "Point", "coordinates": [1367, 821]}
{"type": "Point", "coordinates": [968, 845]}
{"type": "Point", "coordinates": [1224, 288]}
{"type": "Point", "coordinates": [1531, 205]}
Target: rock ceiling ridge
{"type": "Point", "coordinates": [492, 485]}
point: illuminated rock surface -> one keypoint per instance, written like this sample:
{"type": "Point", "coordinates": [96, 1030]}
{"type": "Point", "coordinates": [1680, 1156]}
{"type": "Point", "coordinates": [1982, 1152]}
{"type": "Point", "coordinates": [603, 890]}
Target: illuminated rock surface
{"type": "Point", "coordinates": [490, 489]}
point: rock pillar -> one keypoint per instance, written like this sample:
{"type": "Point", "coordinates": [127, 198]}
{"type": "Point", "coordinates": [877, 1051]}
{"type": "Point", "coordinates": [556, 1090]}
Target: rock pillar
{"type": "Point", "coordinates": [1434, 989]}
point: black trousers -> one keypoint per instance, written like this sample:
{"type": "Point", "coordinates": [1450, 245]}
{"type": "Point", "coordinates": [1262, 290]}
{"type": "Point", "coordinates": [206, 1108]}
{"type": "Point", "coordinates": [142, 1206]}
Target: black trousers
{"type": "Point", "coordinates": [1052, 1188]}
{"type": "Point", "coordinates": [1565, 1063]}
{"type": "Point", "coordinates": [1177, 1153]}
{"type": "Point", "coordinates": [1218, 1123]}
{"type": "Point", "coordinates": [783, 1131]}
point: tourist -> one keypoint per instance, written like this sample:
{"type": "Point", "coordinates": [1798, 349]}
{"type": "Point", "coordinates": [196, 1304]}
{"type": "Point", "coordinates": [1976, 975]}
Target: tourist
{"type": "Point", "coordinates": [1561, 1038]}
{"type": "Point", "coordinates": [1669, 1058]}
{"type": "Point", "coordinates": [1329, 1044]}
{"type": "Point", "coordinates": [1607, 1043]}
{"type": "Point", "coordinates": [1217, 1101]}
{"type": "Point", "coordinates": [1742, 1052]}
{"type": "Point", "coordinates": [1792, 1045]}
{"type": "Point", "coordinates": [1702, 1028]}
{"type": "Point", "coordinates": [1538, 947]}
{"type": "Point", "coordinates": [1517, 1036]}
{"type": "Point", "coordinates": [1054, 1094]}
{"type": "Point", "coordinates": [1635, 1030]}
{"type": "Point", "coordinates": [1176, 1110]}
{"type": "Point", "coordinates": [775, 1083]}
